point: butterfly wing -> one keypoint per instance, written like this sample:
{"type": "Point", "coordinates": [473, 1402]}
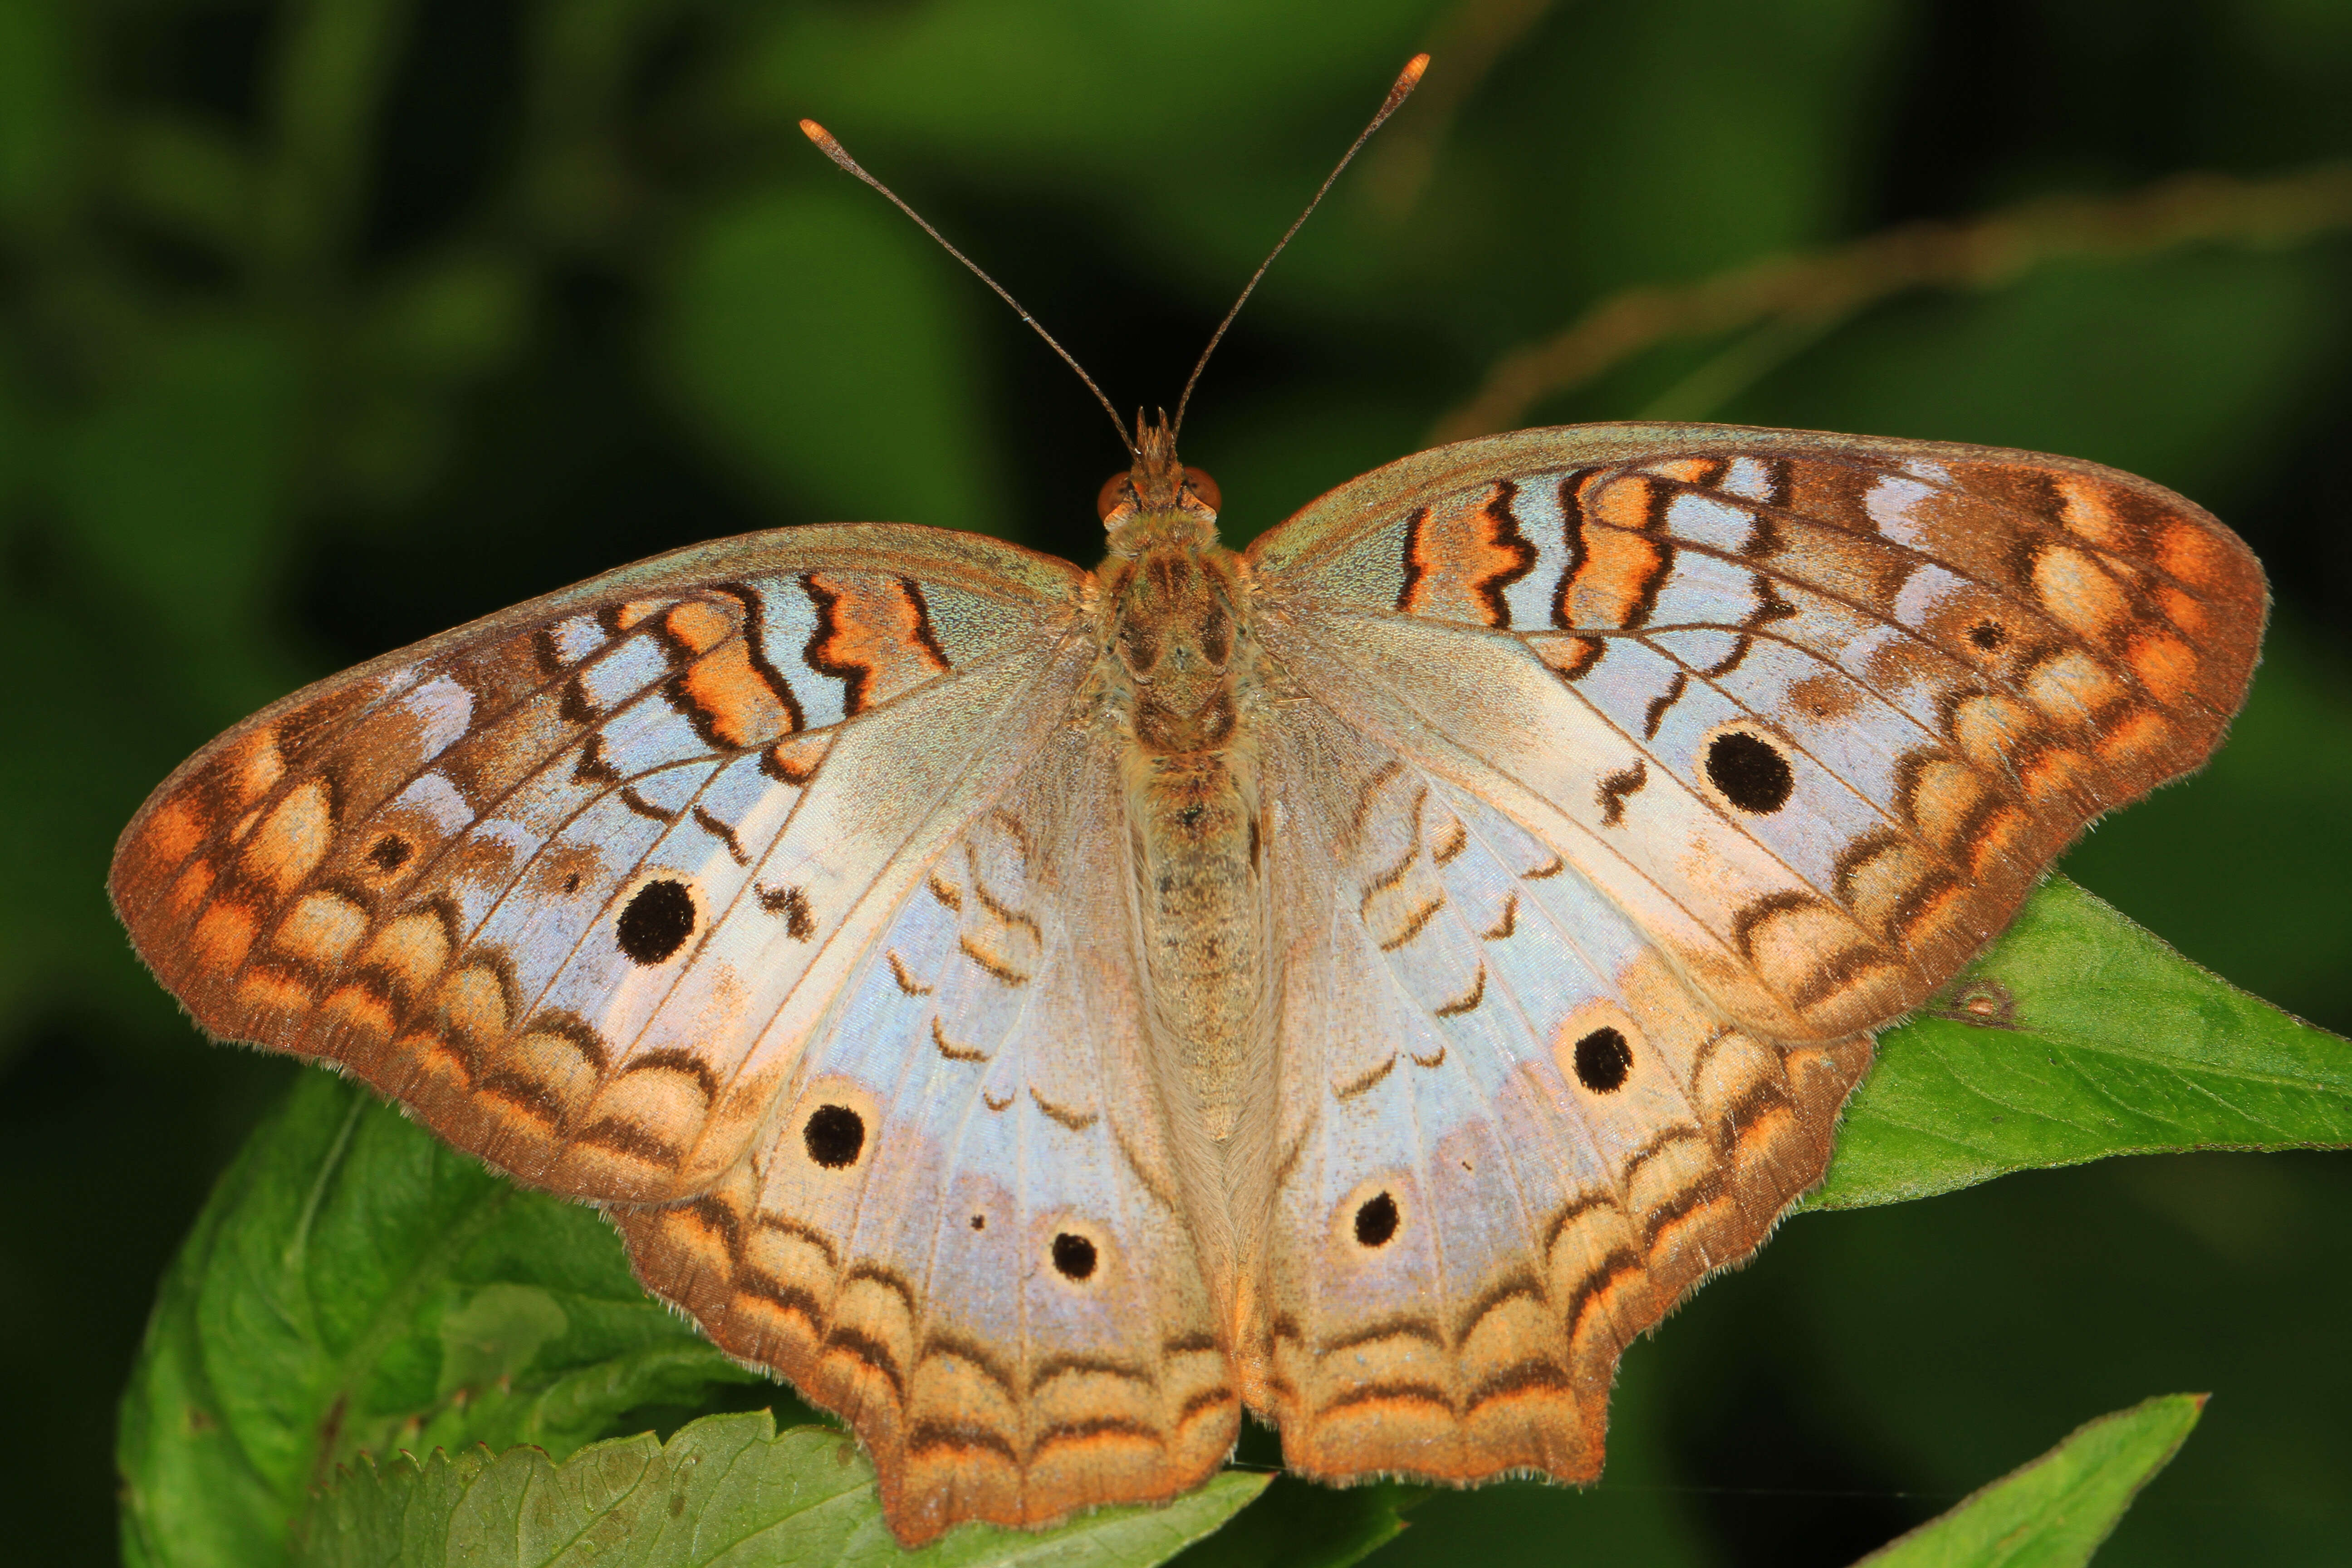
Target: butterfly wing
{"type": "Point", "coordinates": [1654, 767]}
{"type": "Point", "coordinates": [966, 1232]}
{"type": "Point", "coordinates": [1838, 701]}
{"type": "Point", "coordinates": [574, 882]}
{"type": "Point", "coordinates": [1510, 1136]}
{"type": "Point", "coordinates": [768, 894]}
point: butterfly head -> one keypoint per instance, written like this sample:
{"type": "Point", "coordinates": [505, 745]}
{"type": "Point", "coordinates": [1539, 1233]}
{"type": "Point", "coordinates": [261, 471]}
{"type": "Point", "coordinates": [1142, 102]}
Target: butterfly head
{"type": "Point", "coordinates": [1157, 487]}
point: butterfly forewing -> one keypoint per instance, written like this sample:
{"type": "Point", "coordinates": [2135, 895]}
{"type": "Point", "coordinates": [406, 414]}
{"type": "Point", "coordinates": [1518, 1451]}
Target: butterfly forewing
{"type": "Point", "coordinates": [1820, 710]}
{"type": "Point", "coordinates": [561, 880]}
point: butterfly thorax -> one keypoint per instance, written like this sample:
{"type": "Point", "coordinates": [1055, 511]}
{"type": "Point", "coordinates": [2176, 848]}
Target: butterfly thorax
{"type": "Point", "coordinates": [1178, 655]}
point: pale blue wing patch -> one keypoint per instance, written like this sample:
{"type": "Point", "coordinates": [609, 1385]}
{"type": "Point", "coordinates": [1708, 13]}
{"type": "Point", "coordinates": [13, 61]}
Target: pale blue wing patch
{"type": "Point", "coordinates": [965, 1232]}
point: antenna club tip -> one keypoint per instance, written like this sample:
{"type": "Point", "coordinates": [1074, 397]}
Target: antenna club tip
{"type": "Point", "coordinates": [831, 148]}
{"type": "Point", "coordinates": [1407, 79]}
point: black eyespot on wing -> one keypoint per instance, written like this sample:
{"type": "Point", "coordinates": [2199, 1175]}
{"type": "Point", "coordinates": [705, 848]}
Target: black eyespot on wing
{"type": "Point", "coordinates": [656, 921]}
{"type": "Point", "coordinates": [572, 883]}
{"type": "Point", "coordinates": [1602, 1061]}
{"type": "Point", "coordinates": [1750, 772]}
{"type": "Point", "coordinates": [835, 1136]}
{"type": "Point", "coordinates": [1376, 1221]}
{"type": "Point", "coordinates": [1074, 1256]}
{"type": "Point", "coordinates": [1987, 635]}
{"type": "Point", "coordinates": [980, 1222]}
{"type": "Point", "coordinates": [389, 853]}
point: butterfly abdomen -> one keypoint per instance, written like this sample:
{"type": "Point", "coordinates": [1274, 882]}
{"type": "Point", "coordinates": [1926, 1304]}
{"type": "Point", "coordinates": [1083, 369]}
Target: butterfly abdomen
{"type": "Point", "coordinates": [1178, 639]}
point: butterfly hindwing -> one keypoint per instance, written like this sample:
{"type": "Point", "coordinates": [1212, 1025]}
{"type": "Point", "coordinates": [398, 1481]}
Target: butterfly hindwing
{"type": "Point", "coordinates": [556, 879]}
{"type": "Point", "coordinates": [966, 1233]}
{"type": "Point", "coordinates": [1511, 1137]}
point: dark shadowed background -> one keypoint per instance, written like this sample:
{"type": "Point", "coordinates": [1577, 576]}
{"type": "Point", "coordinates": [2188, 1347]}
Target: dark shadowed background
{"type": "Point", "coordinates": [326, 324]}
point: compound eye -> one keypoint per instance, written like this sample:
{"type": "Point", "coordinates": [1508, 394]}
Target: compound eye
{"type": "Point", "coordinates": [1205, 489]}
{"type": "Point", "coordinates": [1115, 493]}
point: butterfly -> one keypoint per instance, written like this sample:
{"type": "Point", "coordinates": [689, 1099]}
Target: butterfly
{"type": "Point", "coordinates": [1364, 980]}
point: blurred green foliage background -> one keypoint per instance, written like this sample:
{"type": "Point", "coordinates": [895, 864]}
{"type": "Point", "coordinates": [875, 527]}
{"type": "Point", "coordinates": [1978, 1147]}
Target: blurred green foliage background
{"type": "Point", "coordinates": [325, 324]}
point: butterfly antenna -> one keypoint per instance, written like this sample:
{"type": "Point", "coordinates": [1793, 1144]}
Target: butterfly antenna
{"type": "Point", "coordinates": [1407, 79]}
{"type": "Point", "coordinates": [840, 155]}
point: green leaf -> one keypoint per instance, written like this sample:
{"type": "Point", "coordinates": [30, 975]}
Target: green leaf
{"type": "Point", "coordinates": [353, 1285]}
{"type": "Point", "coordinates": [2055, 1511]}
{"type": "Point", "coordinates": [726, 1488]}
{"type": "Point", "coordinates": [2075, 1036]}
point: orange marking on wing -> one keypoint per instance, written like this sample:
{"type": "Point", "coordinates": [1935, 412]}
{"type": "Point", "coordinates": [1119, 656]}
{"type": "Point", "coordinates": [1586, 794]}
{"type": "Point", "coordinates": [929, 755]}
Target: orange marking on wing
{"type": "Point", "coordinates": [736, 707]}
{"type": "Point", "coordinates": [1943, 795]}
{"type": "Point", "coordinates": [794, 761]}
{"type": "Point", "coordinates": [1995, 839]}
{"type": "Point", "coordinates": [172, 833]}
{"type": "Point", "coordinates": [223, 935]}
{"type": "Point", "coordinates": [321, 929]}
{"type": "Point", "coordinates": [1599, 1312]}
{"type": "Point", "coordinates": [1613, 587]}
{"type": "Point", "coordinates": [359, 1011]}
{"type": "Point", "coordinates": [190, 888]}
{"type": "Point", "coordinates": [2144, 731]}
{"type": "Point", "coordinates": [2165, 665]}
{"type": "Point", "coordinates": [1569, 657]}
{"type": "Point", "coordinates": [412, 948]}
{"type": "Point", "coordinates": [2184, 610]}
{"type": "Point", "coordinates": [2054, 772]}
{"type": "Point", "coordinates": [475, 1004]}
{"type": "Point", "coordinates": [2072, 687]}
{"type": "Point", "coordinates": [1496, 1406]}
{"type": "Point", "coordinates": [2194, 556]}
{"type": "Point", "coordinates": [1404, 1403]}
{"type": "Point", "coordinates": [269, 988]}
{"type": "Point", "coordinates": [1620, 502]}
{"type": "Point", "coordinates": [1693, 1226]}
{"type": "Point", "coordinates": [2082, 597]}
{"type": "Point", "coordinates": [787, 1319]}
{"type": "Point", "coordinates": [1771, 1125]}
{"type": "Point", "coordinates": [1096, 1443]}
{"type": "Point", "coordinates": [1987, 724]}
{"type": "Point", "coordinates": [293, 838]}
{"type": "Point", "coordinates": [699, 624]}
{"type": "Point", "coordinates": [634, 612]}
{"type": "Point", "coordinates": [437, 1058]}
{"type": "Point", "coordinates": [1459, 557]}
{"type": "Point", "coordinates": [1874, 888]}
{"type": "Point", "coordinates": [2085, 509]}
{"type": "Point", "coordinates": [873, 636]}
{"type": "Point", "coordinates": [255, 766]}
{"type": "Point", "coordinates": [1685, 471]}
